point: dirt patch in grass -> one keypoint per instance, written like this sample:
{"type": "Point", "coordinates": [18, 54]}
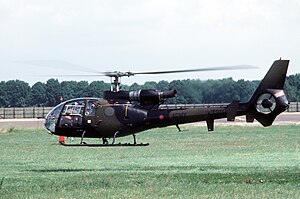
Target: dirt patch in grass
{"type": "Point", "coordinates": [7, 130]}
{"type": "Point", "coordinates": [234, 144]}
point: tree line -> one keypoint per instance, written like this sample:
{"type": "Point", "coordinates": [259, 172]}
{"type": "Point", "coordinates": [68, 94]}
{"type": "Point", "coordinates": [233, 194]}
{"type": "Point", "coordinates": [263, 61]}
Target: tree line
{"type": "Point", "coordinates": [17, 93]}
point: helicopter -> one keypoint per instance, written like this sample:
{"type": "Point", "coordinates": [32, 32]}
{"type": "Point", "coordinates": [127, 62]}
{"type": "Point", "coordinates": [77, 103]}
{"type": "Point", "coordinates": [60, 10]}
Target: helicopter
{"type": "Point", "coordinates": [123, 113]}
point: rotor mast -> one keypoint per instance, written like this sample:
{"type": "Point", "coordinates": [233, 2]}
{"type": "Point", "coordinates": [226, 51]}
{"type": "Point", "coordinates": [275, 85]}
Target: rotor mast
{"type": "Point", "coordinates": [115, 79]}
{"type": "Point", "coordinates": [115, 84]}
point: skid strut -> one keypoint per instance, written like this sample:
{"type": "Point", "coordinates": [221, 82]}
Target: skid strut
{"type": "Point", "coordinates": [82, 136]}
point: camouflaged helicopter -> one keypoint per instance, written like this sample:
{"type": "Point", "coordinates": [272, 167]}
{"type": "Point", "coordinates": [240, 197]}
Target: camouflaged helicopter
{"type": "Point", "coordinates": [122, 113]}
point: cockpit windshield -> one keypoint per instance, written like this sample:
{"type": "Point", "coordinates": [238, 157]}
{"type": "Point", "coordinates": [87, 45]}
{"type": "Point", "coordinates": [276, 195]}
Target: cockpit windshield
{"type": "Point", "coordinates": [70, 114]}
{"type": "Point", "coordinates": [52, 117]}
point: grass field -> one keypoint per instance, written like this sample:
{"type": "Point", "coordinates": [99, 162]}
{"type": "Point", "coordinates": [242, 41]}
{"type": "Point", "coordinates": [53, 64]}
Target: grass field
{"type": "Point", "coordinates": [231, 162]}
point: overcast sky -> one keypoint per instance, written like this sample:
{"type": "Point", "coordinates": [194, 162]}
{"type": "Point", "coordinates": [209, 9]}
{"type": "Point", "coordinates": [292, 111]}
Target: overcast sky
{"type": "Point", "coordinates": [147, 35]}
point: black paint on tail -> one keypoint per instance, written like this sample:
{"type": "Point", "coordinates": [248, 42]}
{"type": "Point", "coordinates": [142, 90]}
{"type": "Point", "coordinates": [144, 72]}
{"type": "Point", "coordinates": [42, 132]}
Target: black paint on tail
{"type": "Point", "coordinates": [269, 100]}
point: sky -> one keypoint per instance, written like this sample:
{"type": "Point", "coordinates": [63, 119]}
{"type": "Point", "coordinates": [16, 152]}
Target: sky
{"type": "Point", "coordinates": [146, 35]}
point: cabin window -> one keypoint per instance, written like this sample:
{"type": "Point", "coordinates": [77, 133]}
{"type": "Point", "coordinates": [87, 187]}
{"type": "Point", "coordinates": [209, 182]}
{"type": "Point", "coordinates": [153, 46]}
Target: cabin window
{"type": "Point", "coordinates": [72, 114]}
{"type": "Point", "coordinates": [91, 108]}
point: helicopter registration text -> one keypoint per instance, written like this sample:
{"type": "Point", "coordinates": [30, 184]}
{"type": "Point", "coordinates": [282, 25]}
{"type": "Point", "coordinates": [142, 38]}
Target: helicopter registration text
{"type": "Point", "coordinates": [181, 114]}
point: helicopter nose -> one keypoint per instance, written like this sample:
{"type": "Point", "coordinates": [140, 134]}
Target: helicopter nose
{"type": "Point", "coordinates": [50, 124]}
{"type": "Point", "coordinates": [52, 117]}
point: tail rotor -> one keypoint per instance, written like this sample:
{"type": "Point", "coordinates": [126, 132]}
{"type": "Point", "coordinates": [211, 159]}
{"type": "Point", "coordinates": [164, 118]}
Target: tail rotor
{"type": "Point", "coordinates": [266, 103]}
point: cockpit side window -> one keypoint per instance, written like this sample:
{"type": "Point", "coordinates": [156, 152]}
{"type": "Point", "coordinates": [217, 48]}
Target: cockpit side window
{"type": "Point", "coordinates": [74, 108]}
{"type": "Point", "coordinates": [72, 114]}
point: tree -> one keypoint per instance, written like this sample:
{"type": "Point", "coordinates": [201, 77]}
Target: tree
{"type": "Point", "coordinates": [81, 89]}
{"type": "Point", "coordinates": [96, 88]}
{"type": "Point", "coordinates": [135, 86]}
{"type": "Point", "coordinates": [162, 85]}
{"type": "Point", "coordinates": [183, 94]}
{"type": "Point", "coordinates": [3, 95]}
{"type": "Point", "coordinates": [68, 89]}
{"type": "Point", "coordinates": [38, 96]}
{"type": "Point", "coordinates": [53, 92]}
{"type": "Point", "coordinates": [149, 85]}
{"type": "Point", "coordinates": [246, 89]}
{"type": "Point", "coordinates": [292, 87]}
{"type": "Point", "coordinates": [17, 93]}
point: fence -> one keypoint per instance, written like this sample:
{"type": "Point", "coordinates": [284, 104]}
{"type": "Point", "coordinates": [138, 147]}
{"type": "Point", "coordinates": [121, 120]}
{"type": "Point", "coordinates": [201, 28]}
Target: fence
{"type": "Point", "coordinates": [28, 112]}
{"type": "Point", "coordinates": [294, 107]}
{"type": "Point", "coordinates": [41, 112]}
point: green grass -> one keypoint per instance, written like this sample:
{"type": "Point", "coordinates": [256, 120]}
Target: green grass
{"type": "Point", "coordinates": [231, 162]}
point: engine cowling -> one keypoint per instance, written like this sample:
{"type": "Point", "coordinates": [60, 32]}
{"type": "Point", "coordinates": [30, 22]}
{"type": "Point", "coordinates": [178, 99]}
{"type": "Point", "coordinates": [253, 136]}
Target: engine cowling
{"type": "Point", "coordinates": [144, 96]}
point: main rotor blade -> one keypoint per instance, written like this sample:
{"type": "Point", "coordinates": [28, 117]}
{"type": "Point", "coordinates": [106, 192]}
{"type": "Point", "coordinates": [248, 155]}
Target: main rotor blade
{"type": "Point", "coordinates": [236, 67]}
{"type": "Point", "coordinates": [71, 75]}
{"type": "Point", "coordinates": [59, 64]}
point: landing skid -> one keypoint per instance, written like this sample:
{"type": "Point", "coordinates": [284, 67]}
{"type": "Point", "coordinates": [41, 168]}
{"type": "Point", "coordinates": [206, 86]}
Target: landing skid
{"type": "Point", "coordinates": [104, 145]}
{"type": "Point", "coordinates": [105, 142]}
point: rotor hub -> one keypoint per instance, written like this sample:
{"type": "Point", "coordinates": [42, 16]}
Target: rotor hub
{"type": "Point", "coordinates": [266, 103]}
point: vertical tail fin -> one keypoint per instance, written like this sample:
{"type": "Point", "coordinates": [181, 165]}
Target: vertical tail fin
{"type": "Point", "coordinates": [269, 100]}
